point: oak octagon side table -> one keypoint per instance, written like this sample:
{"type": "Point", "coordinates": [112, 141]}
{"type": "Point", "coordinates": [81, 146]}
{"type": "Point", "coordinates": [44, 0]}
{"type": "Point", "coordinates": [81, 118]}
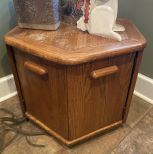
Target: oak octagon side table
{"type": "Point", "coordinates": [72, 84]}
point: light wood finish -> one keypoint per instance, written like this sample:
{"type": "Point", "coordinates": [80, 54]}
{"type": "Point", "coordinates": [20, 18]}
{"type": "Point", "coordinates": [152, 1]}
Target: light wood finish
{"type": "Point", "coordinates": [73, 84]}
{"type": "Point", "coordinates": [70, 46]}
{"type": "Point", "coordinates": [78, 140]}
{"type": "Point", "coordinates": [35, 68]}
{"type": "Point", "coordinates": [104, 72]}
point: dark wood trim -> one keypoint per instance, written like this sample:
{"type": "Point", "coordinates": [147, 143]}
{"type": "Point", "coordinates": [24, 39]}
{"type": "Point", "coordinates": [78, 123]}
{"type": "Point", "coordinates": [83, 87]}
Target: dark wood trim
{"type": "Point", "coordinates": [133, 82]}
{"type": "Point", "coordinates": [16, 78]}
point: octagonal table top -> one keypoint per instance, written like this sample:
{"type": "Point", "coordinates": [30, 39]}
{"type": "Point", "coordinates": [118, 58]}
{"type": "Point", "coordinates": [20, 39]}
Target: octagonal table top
{"type": "Point", "coordinates": [70, 46]}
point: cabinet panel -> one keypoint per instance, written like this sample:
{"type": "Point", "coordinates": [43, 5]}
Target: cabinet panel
{"type": "Point", "coordinates": [91, 95]}
{"type": "Point", "coordinates": [44, 90]}
{"type": "Point", "coordinates": [72, 84]}
{"type": "Point", "coordinates": [97, 102]}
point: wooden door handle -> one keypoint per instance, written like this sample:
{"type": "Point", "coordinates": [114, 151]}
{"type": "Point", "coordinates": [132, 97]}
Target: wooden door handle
{"type": "Point", "coordinates": [104, 72]}
{"type": "Point", "coordinates": [35, 68]}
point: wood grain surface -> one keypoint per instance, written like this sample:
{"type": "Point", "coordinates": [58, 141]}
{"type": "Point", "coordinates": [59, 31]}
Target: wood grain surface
{"type": "Point", "coordinates": [96, 103]}
{"type": "Point", "coordinates": [45, 96]}
{"type": "Point", "coordinates": [68, 100]}
{"type": "Point", "coordinates": [70, 46]}
{"type": "Point", "coordinates": [70, 143]}
{"type": "Point", "coordinates": [72, 84]}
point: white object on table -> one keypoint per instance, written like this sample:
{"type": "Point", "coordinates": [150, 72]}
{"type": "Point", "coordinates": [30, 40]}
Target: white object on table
{"type": "Point", "coordinates": [102, 19]}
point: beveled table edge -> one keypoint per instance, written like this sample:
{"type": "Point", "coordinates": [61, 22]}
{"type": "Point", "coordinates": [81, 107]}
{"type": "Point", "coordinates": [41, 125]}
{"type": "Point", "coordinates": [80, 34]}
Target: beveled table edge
{"type": "Point", "coordinates": [76, 58]}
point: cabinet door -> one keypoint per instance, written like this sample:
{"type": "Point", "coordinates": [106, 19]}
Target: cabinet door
{"type": "Point", "coordinates": [43, 88]}
{"type": "Point", "coordinates": [97, 94]}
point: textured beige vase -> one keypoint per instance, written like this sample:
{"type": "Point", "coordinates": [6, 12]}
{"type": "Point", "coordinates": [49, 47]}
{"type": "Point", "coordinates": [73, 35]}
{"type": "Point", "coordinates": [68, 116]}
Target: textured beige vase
{"type": "Point", "coordinates": [38, 14]}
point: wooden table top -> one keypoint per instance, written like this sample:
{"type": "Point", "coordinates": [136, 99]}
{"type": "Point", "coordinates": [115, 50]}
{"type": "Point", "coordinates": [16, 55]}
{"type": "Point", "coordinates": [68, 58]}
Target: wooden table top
{"type": "Point", "coordinates": [68, 45]}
